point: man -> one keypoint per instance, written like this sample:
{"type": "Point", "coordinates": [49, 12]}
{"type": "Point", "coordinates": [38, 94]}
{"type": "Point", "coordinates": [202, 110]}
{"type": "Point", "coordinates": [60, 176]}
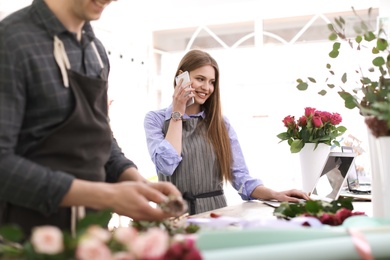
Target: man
{"type": "Point", "coordinates": [57, 151]}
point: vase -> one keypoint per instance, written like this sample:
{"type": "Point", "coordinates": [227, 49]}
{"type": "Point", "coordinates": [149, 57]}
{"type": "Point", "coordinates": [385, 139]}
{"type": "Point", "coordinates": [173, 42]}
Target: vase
{"type": "Point", "coordinates": [312, 162]}
{"type": "Point", "coordinates": [380, 174]}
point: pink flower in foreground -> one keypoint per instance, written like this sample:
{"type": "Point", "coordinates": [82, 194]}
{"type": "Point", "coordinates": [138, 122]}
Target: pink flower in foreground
{"type": "Point", "coordinates": [125, 235]}
{"type": "Point", "coordinates": [90, 248]}
{"type": "Point", "coordinates": [151, 244]}
{"type": "Point", "coordinates": [123, 256]}
{"type": "Point", "coordinates": [47, 240]}
{"type": "Point", "coordinates": [98, 232]}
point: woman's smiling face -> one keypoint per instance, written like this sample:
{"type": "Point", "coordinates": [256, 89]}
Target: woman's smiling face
{"type": "Point", "coordinates": [203, 80]}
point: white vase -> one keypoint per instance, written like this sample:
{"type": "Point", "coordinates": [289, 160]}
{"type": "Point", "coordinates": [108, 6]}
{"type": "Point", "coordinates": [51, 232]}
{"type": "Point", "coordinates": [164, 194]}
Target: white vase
{"type": "Point", "coordinates": [312, 162]}
{"type": "Point", "coordinates": [376, 179]}
{"type": "Point", "coordinates": [380, 172]}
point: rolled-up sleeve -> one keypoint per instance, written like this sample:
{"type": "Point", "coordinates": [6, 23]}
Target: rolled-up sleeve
{"type": "Point", "coordinates": [117, 163]}
{"type": "Point", "coordinates": [162, 153]}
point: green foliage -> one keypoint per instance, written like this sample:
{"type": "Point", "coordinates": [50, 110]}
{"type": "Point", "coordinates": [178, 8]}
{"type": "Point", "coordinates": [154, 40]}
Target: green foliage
{"type": "Point", "coordinates": [371, 94]}
{"type": "Point", "coordinates": [312, 207]}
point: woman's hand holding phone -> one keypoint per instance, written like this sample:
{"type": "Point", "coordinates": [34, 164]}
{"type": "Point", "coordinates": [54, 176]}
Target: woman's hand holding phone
{"type": "Point", "coordinates": [182, 80]}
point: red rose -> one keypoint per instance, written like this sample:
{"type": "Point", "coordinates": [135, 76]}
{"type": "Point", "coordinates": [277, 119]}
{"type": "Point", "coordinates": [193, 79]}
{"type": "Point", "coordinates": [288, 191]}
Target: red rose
{"type": "Point", "coordinates": [335, 119]}
{"type": "Point", "coordinates": [325, 116]}
{"type": "Point", "coordinates": [317, 121]}
{"type": "Point", "coordinates": [309, 111]}
{"type": "Point", "coordinates": [289, 121]}
{"type": "Point", "coordinates": [302, 121]}
{"type": "Point", "coordinates": [330, 219]}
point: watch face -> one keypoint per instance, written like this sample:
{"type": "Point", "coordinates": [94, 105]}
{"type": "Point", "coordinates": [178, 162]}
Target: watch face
{"type": "Point", "coordinates": [176, 115]}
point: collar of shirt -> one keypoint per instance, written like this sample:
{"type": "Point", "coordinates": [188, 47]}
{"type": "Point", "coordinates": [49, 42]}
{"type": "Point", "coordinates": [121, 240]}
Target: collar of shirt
{"type": "Point", "coordinates": [54, 26]}
{"type": "Point", "coordinates": [168, 113]}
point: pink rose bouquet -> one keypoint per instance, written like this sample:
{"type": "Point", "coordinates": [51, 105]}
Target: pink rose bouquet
{"type": "Point", "coordinates": [142, 240]}
{"type": "Point", "coordinates": [313, 127]}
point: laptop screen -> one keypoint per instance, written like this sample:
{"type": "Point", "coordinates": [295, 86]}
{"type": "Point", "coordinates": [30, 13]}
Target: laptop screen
{"type": "Point", "coordinates": [333, 176]}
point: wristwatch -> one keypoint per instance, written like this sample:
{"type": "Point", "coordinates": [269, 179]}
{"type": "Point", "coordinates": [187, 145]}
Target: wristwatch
{"type": "Point", "coordinates": [176, 116]}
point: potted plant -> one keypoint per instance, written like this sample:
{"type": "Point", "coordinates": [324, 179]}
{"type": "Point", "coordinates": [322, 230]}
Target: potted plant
{"type": "Point", "coordinates": [366, 88]}
{"type": "Point", "coordinates": [370, 93]}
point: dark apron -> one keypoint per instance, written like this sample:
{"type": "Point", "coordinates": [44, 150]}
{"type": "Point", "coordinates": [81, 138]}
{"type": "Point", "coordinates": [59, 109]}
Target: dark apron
{"type": "Point", "coordinates": [80, 146]}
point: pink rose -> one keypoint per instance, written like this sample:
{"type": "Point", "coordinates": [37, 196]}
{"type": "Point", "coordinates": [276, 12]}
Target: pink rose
{"type": "Point", "coordinates": [47, 240]}
{"type": "Point", "coordinates": [302, 121]}
{"type": "Point", "coordinates": [325, 116]}
{"type": "Point", "coordinates": [309, 111]}
{"type": "Point", "coordinates": [151, 244]}
{"type": "Point", "coordinates": [125, 235]}
{"type": "Point", "coordinates": [92, 248]}
{"type": "Point", "coordinates": [317, 121]}
{"type": "Point", "coordinates": [123, 256]}
{"type": "Point", "coordinates": [98, 232]}
{"type": "Point", "coordinates": [289, 121]}
{"type": "Point", "coordinates": [335, 119]}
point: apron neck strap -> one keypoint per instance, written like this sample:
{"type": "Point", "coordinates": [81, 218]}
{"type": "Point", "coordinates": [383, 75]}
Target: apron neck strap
{"type": "Point", "coordinates": [62, 58]}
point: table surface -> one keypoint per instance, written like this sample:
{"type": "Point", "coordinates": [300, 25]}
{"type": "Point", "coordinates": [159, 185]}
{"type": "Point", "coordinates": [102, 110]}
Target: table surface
{"type": "Point", "coordinates": [255, 208]}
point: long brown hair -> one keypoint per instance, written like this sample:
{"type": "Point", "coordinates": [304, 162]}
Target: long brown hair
{"type": "Point", "coordinates": [217, 133]}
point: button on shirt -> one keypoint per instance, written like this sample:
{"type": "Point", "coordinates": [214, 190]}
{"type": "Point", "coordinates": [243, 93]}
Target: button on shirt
{"type": "Point", "coordinates": [34, 101]}
{"type": "Point", "coordinates": [166, 159]}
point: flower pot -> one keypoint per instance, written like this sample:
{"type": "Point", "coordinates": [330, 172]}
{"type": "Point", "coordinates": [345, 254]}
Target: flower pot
{"type": "Point", "coordinates": [312, 161]}
{"type": "Point", "coordinates": [380, 172]}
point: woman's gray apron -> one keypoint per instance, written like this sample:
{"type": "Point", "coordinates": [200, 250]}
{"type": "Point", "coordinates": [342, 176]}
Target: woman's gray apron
{"type": "Point", "coordinates": [80, 146]}
{"type": "Point", "coordinates": [198, 175]}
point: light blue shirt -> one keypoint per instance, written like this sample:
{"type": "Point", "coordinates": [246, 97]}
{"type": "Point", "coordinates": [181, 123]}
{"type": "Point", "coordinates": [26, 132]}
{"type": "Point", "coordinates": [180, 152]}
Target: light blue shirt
{"type": "Point", "coordinates": [166, 159]}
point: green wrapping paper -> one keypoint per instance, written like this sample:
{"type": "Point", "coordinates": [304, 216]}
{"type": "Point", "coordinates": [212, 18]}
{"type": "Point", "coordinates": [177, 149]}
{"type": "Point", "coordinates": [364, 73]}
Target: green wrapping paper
{"type": "Point", "coordinates": [297, 243]}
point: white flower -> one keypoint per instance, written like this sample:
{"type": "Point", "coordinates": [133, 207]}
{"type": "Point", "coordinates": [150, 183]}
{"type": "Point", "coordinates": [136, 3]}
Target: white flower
{"type": "Point", "coordinates": [47, 240]}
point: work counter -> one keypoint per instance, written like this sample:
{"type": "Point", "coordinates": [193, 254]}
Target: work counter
{"type": "Point", "coordinates": [277, 239]}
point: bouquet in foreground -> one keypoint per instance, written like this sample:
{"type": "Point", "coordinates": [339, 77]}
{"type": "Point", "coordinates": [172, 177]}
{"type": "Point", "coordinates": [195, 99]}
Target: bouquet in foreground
{"type": "Point", "coordinates": [157, 240]}
{"type": "Point", "coordinates": [314, 126]}
{"type": "Point", "coordinates": [329, 213]}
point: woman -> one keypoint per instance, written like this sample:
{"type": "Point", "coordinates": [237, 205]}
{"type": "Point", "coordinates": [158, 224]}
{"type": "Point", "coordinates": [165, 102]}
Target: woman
{"type": "Point", "coordinates": [196, 148]}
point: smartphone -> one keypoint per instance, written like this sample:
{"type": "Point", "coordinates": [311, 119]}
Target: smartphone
{"type": "Point", "coordinates": [186, 78]}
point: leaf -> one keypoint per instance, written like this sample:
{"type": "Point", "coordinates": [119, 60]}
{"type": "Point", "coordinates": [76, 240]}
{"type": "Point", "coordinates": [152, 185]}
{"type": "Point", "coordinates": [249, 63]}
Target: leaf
{"type": "Point", "coordinates": [378, 61]}
{"type": "Point", "coordinates": [341, 129]}
{"type": "Point", "coordinates": [302, 86]}
{"type": "Point", "coordinates": [100, 218]}
{"type": "Point", "coordinates": [344, 78]}
{"type": "Point", "coordinates": [284, 136]}
{"type": "Point", "coordinates": [12, 233]}
{"type": "Point", "coordinates": [369, 36]}
{"type": "Point", "coordinates": [333, 54]}
{"type": "Point", "coordinates": [381, 44]}
{"type": "Point", "coordinates": [349, 100]}
{"type": "Point", "coordinates": [312, 79]}
{"type": "Point", "coordinates": [332, 36]}
{"type": "Point", "coordinates": [296, 146]}
{"type": "Point", "coordinates": [322, 92]}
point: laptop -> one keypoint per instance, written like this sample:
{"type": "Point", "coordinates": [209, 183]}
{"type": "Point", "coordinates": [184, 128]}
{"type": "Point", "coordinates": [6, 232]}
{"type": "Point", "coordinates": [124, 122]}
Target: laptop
{"type": "Point", "coordinates": [356, 188]}
{"type": "Point", "coordinates": [332, 179]}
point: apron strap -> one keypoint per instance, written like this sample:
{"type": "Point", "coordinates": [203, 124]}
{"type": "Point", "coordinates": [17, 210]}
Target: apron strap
{"type": "Point", "coordinates": [192, 198]}
{"type": "Point", "coordinates": [61, 59]}
{"type": "Point", "coordinates": [77, 213]}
